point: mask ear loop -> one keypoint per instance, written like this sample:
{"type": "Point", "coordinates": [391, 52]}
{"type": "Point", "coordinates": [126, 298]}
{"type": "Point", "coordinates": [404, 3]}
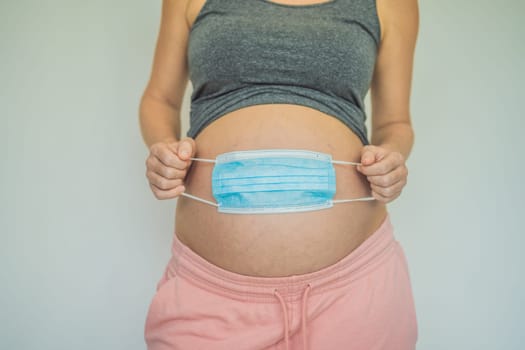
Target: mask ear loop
{"type": "Point", "coordinates": [198, 198]}
{"type": "Point", "coordinates": [204, 160]}
{"type": "Point", "coordinates": [354, 199]}
{"type": "Point", "coordinates": [345, 162]}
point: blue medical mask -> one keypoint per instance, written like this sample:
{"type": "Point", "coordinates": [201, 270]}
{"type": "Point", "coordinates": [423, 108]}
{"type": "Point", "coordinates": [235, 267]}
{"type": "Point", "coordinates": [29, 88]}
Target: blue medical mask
{"type": "Point", "coordinates": [273, 181]}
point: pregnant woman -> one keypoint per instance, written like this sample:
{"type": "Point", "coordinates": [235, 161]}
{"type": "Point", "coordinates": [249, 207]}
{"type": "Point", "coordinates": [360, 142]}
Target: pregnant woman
{"type": "Point", "coordinates": [282, 236]}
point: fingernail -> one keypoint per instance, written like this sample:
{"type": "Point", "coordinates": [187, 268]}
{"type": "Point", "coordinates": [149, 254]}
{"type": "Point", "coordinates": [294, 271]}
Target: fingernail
{"type": "Point", "coordinates": [184, 153]}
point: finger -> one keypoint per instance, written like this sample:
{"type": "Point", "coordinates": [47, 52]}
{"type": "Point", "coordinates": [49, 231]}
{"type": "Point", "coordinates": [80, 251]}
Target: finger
{"type": "Point", "coordinates": [155, 165]}
{"type": "Point", "coordinates": [371, 154]}
{"type": "Point", "coordinates": [186, 148]}
{"type": "Point", "coordinates": [388, 192]}
{"type": "Point", "coordinates": [385, 199]}
{"type": "Point", "coordinates": [384, 166]}
{"type": "Point", "coordinates": [161, 182]}
{"type": "Point", "coordinates": [367, 156]}
{"type": "Point", "coordinates": [169, 158]}
{"type": "Point", "coordinates": [172, 146]}
{"type": "Point", "coordinates": [161, 194]}
{"type": "Point", "coordinates": [398, 174]}
{"type": "Point", "coordinates": [379, 197]}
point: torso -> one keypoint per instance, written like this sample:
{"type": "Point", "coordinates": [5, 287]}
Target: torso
{"type": "Point", "coordinates": [276, 244]}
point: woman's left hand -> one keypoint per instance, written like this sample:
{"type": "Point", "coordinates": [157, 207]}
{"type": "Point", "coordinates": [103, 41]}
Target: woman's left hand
{"type": "Point", "coordinates": [385, 170]}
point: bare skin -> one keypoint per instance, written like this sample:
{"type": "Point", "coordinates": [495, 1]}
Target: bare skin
{"type": "Point", "coordinates": [292, 243]}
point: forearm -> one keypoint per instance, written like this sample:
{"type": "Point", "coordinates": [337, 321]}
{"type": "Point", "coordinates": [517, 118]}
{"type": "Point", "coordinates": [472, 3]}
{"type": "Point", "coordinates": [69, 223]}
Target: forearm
{"type": "Point", "coordinates": [159, 121]}
{"type": "Point", "coordinates": [395, 137]}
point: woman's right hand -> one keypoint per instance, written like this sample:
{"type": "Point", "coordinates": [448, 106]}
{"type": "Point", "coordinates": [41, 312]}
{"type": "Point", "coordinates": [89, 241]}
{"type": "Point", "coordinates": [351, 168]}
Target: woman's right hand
{"type": "Point", "coordinates": [167, 165]}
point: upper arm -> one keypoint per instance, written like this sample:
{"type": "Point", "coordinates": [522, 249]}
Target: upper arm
{"type": "Point", "coordinates": [391, 82]}
{"type": "Point", "coordinates": [169, 74]}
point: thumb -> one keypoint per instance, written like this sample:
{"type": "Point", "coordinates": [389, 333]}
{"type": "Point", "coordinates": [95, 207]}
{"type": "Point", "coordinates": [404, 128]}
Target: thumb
{"type": "Point", "coordinates": [186, 148]}
{"type": "Point", "coordinates": [368, 156]}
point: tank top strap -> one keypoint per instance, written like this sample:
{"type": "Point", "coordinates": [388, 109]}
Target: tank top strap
{"type": "Point", "coordinates": [217, 7]}
{"type": "Point", "coordinates": [361, 12]}
{"type": "Point", "coordinates": [225, 5]}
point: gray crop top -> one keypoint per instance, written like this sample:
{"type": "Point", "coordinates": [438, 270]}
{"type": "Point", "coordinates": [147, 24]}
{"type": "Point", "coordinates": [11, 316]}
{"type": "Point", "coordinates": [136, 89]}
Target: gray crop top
{"type": "Point", "coordinates": [248, 52]}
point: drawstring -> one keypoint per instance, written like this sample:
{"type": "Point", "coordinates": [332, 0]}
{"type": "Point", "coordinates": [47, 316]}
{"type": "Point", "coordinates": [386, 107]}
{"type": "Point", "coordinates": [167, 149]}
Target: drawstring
{"type": "Point", "coordinates": [285, 314]}
{"type": "Point", "coordinates": [303, 317]}
{"type": "Point", "coordinates": [303, 313]}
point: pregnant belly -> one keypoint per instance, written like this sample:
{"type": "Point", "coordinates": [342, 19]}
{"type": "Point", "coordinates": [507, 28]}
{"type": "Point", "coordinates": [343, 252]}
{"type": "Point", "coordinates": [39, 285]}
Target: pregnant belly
{"type": "Point", "coordinates": [277, 244]}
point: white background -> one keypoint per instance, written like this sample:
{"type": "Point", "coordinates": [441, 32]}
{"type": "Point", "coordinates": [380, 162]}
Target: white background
{"type": "Point", "coordinates": [83, 241]}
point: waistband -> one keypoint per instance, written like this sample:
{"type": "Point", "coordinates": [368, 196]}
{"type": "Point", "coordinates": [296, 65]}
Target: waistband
{"type": "Point", "coordinates": [368, 255]}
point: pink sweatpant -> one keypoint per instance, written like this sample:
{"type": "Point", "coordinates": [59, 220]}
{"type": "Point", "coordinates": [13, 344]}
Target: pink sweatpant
{"type": "Point", "coordinates": [362, 302]}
